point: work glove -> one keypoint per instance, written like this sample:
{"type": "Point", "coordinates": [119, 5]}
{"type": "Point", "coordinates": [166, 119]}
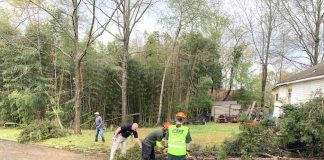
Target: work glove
{"type": "Point", "coordinates": [114, 139]}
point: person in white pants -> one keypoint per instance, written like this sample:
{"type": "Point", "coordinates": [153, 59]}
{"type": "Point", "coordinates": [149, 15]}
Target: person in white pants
{"type": "Point", "coordinates": [120, 137]}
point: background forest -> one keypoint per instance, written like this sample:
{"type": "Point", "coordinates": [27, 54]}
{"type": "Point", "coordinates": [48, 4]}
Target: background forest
{"type": "Point", "coordinates": [56, 64]}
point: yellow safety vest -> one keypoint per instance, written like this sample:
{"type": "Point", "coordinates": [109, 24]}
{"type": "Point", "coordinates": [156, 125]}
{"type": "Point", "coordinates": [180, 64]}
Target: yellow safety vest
{"type": "Point", "coordinates": [177, 140]}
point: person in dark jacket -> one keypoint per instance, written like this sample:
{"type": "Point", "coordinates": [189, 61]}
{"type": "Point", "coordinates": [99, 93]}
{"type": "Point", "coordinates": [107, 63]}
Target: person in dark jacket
{"type": "Point", "coordinates": [120, 137]}
{"type": "Point", "coordinates": [151, 140]}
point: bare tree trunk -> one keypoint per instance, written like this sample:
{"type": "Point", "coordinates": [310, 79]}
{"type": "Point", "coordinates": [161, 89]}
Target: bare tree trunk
{"type": "Point", "coordinates": [187, 101]}
{"type": "Point", "coordinates": [89, 99]}
{"type": "Point", "coordinates": [267, 53]}
{"type": "Point", "coordinates": [180, 80]}
{"type": "Point", "coordinates": [190, 83]}
{"type": "Point", "coordinates": [166, 69]}
{"type": "Point", "coordinates": [230, 84]}
{"type": "Point", "coordinates": [131, 15]}
{"type": "Point", "coordinates": [162, 89]}
{"type": "Point", "coordinates": [77, 69]}
{"type": "Point", "coordinates": [124, 90]}
{"type": "Point", "coordinates": [317, 39]}
{"type": "Point", "coordinates": [77, 96]}
{"type": "Point", "coordinates": [169, 112]}
{"type": "Point", "coordinates": [263, 82]}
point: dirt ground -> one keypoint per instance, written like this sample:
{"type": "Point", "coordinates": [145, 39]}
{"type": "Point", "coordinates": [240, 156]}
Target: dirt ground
{"type": "Point", "coordinates": [10, 150]}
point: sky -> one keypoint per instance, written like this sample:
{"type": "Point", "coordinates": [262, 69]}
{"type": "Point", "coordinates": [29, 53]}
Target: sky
{"type": "Point", "coordinates": [149, 22]}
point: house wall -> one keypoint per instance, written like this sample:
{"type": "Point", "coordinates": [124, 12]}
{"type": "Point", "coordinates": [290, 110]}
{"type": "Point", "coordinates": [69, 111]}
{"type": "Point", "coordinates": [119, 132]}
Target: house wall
{"type": "Point", "coordinates": [300, 93]}
{"type": "Point", "coordinates": [304, 91]}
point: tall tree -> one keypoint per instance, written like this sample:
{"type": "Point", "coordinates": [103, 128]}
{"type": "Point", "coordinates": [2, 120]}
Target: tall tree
{"type": "Point", "coordinates": [306, 21]}
{"type": "Point", "coordinates": [203, 60]}
{"type": "Point", "coordinates": [237, 57]}
{"type": "Point", "coordinates": [95, 30]}
{"type": "Point", "coordinates": [129, 13]}
{"type": "Point", "coordinates": [184, 15]}
{"type": "Point", "coordinates": [262, 24]}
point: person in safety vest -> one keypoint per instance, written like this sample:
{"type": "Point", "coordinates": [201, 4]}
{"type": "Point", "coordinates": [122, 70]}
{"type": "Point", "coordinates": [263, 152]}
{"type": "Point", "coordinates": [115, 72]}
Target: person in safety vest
{"type": "Point", "coordinates": [153, 139]}
{"type": "Point", "coordinates": [178, 139]}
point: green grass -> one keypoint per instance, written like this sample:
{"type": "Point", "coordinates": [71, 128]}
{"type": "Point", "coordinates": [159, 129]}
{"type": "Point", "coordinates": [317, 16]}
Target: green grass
{"type": "Point", "coordinates": [11, 134]}
{"type": "Point", "coordinates": [210, 134]}
{"type": "Point", "coordinates": [83, 143]}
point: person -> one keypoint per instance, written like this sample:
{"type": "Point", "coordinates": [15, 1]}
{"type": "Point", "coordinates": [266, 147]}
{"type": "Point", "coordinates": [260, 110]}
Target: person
{"type": "Point", "coordinates": [152, 139]}
{"type": "Point", "coordinates": [178, 139]}
{"type": "Point", "coordinates": [120, 137]}
{"type": "Point", "coordinates": [261, 114]}
{"type": "Point", "coordinates": [99, 127]}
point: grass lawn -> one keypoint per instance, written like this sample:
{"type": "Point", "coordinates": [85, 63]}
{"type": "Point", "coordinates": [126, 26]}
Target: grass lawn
{"type": "Point", "coordinates": [210, 134]}
{"type": "Point", "coordinates": [11, 134]}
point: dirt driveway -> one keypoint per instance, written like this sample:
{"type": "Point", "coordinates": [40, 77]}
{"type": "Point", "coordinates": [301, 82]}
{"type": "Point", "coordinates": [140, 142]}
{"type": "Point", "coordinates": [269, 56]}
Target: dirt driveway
{"type": "Point", "coordinates": [10, 150]}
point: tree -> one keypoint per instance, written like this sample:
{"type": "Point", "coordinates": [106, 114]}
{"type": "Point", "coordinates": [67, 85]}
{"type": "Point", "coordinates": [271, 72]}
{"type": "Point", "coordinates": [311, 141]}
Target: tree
{"type": "Point", "coordinates": [129, 14]}
{"type": "Point", "coordinates": [265, 16]}
{"type": "Point", "coordinates": [306, 21]}
{"type": "Point", "coordinates": [185, 15]}
{"type": "Point", "coordinates": [237, 56]}
{"type": "Point", "coordinates": [95, 30]}
{"type": "Point", "coordinates": [203, 60]}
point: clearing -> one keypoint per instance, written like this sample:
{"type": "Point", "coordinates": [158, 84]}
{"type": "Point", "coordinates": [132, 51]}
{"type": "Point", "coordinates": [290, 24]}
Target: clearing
{"type": "Point", "coordinates": [205, 135]}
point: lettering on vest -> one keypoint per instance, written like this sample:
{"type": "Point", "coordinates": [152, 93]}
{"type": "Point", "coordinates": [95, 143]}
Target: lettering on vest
{"type": "Point", "coordinates": [177, 131]}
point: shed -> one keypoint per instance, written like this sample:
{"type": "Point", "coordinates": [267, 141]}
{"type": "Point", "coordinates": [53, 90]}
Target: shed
{"type": "Point", "coordinates": [225, 108]}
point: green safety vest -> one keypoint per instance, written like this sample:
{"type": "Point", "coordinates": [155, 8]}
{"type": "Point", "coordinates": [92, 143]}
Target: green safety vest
{"type": "Point", "coordinates": [177, 140]}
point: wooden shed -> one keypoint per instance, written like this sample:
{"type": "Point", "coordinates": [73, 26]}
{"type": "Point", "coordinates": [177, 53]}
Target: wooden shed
{"type": "Point", "coordinates": [228, 108]}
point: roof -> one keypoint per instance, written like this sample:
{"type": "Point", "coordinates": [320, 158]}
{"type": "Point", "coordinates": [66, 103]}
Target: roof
{"type": "Point", "coordinates": [308, 74]}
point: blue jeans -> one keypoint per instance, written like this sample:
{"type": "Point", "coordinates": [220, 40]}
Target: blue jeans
{"type": "Point", "coordinates": [100, 131]}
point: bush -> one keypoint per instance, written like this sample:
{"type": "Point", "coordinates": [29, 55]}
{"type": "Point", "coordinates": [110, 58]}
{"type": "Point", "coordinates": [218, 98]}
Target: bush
{"type": "Point", "coordinates": [302, 128]}
{"type": "Point", "coordinates": [40, 130]}
{"type": "Point", "coordinates": [133, 153]}
{"type": "Point", "coordinates": [200, 151]}
{"type": "Point", "coordinates": [251, 141]}
{"type": "Point", "coordinates": [300, 133]}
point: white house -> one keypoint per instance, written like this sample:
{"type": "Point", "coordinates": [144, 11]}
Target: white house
{"type": "Point", "coordinates": [299, 88]}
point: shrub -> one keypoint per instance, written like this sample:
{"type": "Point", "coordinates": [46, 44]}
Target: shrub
{"type": "Point", "coordinates": [300, 132]}
{"type": "Point", "coordinates": [133, 153]}
{"type": "Point", "coordinates": [40, 130]}
{"type": "Point", "coordinates": [200, 151]}
{"type": "Point", "coordinates": [302, 128]}
{"type": "Point", "coordinates": [251, 141]}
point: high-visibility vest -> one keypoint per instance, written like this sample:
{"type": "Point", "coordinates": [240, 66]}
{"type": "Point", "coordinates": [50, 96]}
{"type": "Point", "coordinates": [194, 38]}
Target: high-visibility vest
{"type": "Point", "coordinates": [177, 140]}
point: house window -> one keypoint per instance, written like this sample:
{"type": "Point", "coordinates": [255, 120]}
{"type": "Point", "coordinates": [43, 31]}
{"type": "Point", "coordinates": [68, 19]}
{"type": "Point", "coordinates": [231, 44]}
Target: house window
{"type": "Point", "coordinates": [289, 95]}
{"type": "Point", "coordinates": [277, 97]}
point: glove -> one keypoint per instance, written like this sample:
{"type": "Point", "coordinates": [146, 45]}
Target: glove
{"type": "Point", "coordinates": [161, 151]}
{"type": "Point", "coordinates": [114, 138]}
